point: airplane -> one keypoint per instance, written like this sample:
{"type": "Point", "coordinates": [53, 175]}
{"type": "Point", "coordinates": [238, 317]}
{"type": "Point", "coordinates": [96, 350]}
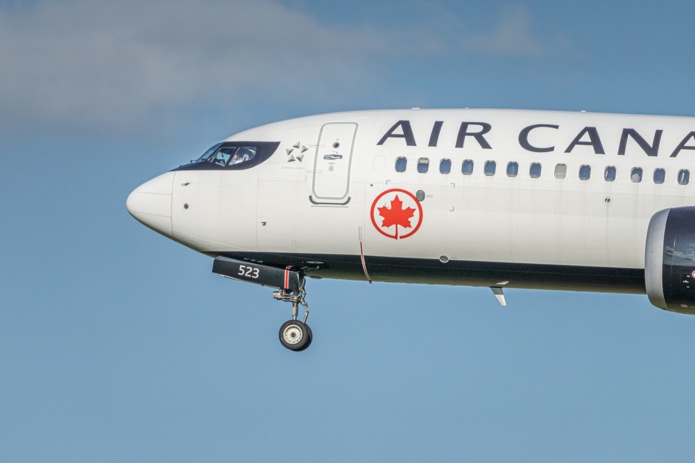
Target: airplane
{"type": "Point", "coordinates": [493, 198]}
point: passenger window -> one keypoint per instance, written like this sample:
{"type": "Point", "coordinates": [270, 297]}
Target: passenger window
{"type": "Point", "coordinates": [243, 154]}
{"type": "Point", "coordinates": [467, 167]}
{"type": "Point", "coordinates": [490, 168]}
{"type": "Point", "coordinates": [659, 176]}
{"type": "Point", "coordinates": [445, 166]}
{"type": "Point", "coordinates": [609, 174]}
{"type": "Point", "coordinates": [560, 171]}
{"type": "Point", "coordinates": [683, 177]}
{"type": "Point", "coordinates": [584, 172]}
{"type": "Point", "coordinates": [401, 164]}
{"type": "Point", "coordinates": [636, 175]}
{"type": "Point", "coordinates": [535, 170]}
{"type": "Point", "coordinates": [512, 169]}
{"type": "Point", "coordinates": [423, 165]}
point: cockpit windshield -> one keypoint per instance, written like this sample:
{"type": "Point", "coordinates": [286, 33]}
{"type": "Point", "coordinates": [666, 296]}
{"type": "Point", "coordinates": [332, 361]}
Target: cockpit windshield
{"type": "Point", "coordinates": [229, 155]}
{"type": "Point", "coordinates": [208, 153]}
{"type": "Point", "coordinates": [233, 155]}
{"type": "Point", "coordinates": [243, 154]}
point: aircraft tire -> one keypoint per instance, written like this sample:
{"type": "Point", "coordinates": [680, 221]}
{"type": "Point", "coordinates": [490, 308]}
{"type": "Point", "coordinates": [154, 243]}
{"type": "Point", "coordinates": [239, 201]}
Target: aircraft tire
{"type": "Point", "coordinates": [295, 335]}
{"type": "Point", "coordinates": [310, 337]}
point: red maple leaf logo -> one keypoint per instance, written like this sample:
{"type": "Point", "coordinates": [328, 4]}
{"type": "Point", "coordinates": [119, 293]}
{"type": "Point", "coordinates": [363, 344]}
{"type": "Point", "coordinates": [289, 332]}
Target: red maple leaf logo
{"type": "Point", "coordinates": [396, 215]}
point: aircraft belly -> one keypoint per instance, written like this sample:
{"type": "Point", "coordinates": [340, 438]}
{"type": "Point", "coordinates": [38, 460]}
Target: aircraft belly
{"type": "Point", "coordinates": [457, 273]}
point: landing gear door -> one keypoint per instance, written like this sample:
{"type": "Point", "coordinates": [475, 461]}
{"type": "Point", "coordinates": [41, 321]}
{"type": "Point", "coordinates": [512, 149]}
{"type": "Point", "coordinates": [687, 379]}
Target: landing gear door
{"type": "Point", "coordinates": [331, 182]}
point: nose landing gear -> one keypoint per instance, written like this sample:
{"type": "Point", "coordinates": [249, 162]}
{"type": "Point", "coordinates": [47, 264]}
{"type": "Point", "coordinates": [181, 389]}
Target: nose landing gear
{"type": "Point", "coordinates": [294, 334]}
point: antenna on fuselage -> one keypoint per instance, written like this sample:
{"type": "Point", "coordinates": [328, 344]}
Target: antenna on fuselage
{"type": "Point", "coordinates": [498, 291]}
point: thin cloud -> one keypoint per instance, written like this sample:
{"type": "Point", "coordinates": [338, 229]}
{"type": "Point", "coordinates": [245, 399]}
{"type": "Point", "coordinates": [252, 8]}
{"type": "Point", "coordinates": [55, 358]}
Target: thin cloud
{"type": "Point", "coordinates": [126, 66]}
{"type": "Point", "coordinates": [512, 36]}
{"type": "Point", "coordinates": [113, 64]}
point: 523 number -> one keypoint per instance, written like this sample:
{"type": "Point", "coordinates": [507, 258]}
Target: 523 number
{"type": "Point", "coordinates": [248, 272]}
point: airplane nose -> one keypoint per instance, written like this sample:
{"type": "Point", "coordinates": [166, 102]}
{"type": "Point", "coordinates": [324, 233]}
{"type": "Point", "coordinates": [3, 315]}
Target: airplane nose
{"type": "Point", "coordinates": [150, 203]}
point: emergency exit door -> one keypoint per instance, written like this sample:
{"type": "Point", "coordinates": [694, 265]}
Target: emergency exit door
{"type": "Point", "coordinates": [331, 184]}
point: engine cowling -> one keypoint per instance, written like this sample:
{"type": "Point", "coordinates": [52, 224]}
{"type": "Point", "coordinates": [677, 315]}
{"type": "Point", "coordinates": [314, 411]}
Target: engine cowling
{"type": "Point", "coordinates": [670, 260]}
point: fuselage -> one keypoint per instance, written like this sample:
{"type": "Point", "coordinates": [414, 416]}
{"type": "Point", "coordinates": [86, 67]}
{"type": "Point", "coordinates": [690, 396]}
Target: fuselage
{"type": "Point", "coordinates": [528, 199]}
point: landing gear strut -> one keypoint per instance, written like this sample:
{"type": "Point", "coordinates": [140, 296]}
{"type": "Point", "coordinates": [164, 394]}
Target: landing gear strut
{"type": "Point", "coordinates": [294, 334]}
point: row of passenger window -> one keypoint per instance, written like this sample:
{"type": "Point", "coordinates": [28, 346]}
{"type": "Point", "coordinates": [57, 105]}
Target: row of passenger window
{"type": "Point", "coordinates": [535, 169]}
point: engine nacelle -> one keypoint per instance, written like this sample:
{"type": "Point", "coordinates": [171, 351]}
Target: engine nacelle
{"type": "Point", "coordinates": [669, 272]}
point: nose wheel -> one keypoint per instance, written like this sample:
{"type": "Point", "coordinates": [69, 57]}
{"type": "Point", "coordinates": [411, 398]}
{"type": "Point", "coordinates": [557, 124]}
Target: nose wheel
{"type": "Point", "coordinates": [295, 334]}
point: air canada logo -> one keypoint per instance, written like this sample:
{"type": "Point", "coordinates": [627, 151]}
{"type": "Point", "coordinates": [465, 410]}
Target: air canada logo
{"type": "Point", "coordinates": [396, 214]}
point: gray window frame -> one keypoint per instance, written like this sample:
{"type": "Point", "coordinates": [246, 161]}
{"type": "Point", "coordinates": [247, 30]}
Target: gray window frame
{"type": "Point", "coordinates": [663, 176]}
{"type": "Point", "coordinates": [533, 174]}
{"type": "Point", "coordinates": [683, 176]}
{"type": "Point", "coordinates": [465, 163]}
{"type": "Point", "coordinates": [441, 166]}
{"type": "Point", "coordinates": [494, 168]}
{"type": "Point", "coordinates": [635, 171]}
{"type": "Point", "coordinates": [512, 165]}
{"type": "Point", "coordinates": [405, 164]}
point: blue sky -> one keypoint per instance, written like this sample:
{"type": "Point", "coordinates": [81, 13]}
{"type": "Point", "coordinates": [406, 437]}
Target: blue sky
{"type": "Point", "coordinates": [117, 344]}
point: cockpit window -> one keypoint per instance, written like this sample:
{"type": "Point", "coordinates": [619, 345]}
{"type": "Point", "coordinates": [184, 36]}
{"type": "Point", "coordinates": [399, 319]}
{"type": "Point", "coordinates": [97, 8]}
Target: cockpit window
{"type": "Point", "coordinates": [208, 153]}
{"type": "Point", "coordinates": [243, 154]}
{"type": "Point", "coordinates": [222, 156]}
{"type": "Point", "coordinates": [233, 155]}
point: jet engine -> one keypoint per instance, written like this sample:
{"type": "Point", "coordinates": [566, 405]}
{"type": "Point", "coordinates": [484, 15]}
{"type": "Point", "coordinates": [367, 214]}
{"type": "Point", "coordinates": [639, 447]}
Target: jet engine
{"type": "Point", "coordinates": [670, 260]}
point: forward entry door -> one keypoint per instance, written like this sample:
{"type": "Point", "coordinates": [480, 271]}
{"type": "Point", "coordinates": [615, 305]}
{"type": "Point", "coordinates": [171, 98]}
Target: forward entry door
{"type": "Point", "coordinates": [331, 183]}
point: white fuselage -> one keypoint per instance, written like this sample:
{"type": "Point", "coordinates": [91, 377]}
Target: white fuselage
{"type": "Point", "coordinates": [409, 192]}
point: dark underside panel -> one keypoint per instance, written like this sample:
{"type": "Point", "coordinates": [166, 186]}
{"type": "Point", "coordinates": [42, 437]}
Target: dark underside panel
{"type": "Point", "coordinates": [432, 271]}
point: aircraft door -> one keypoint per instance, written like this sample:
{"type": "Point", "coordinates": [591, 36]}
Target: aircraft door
{"type": "Point", "coordinates": [331, 181]}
